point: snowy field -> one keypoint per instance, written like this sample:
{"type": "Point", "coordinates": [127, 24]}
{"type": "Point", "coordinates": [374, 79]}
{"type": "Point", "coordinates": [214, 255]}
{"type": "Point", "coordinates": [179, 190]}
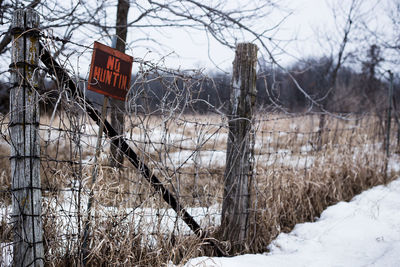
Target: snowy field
{"type": "Point", "coordinates": [362, 232]}
{"type": "Point", "coordinates": [331, 241]}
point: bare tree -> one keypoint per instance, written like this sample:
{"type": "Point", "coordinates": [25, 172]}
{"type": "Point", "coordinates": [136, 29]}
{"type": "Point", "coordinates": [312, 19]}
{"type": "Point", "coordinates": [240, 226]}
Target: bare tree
{"type": "Point", "coordinates": [393, 42]}
{"type": "Point", "coordinates": [382, 28]}
{"type": "Point", "coordinates": [117, 107]}
{"type": "Point", "coordinates": [345, 39]}
{"type": "Point", "coordinates": [347, 19]}
{"type": "Point", "coordinates": [6, 9]}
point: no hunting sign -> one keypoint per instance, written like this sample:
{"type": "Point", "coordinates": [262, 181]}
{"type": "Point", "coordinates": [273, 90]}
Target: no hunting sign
{"type": "Point", "coordinates": [110, 72]}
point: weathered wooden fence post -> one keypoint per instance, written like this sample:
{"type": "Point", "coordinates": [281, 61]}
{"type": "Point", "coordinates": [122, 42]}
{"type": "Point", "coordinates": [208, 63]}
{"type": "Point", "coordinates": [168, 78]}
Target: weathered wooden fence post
{"type": "Point", "coordinates": [389, 118]}
{"type": "Point", "coordinates": [24, 135]}
{"type": "Point", "coordinates": [388, 124]}
{"type": "Point", "coordinates": [240, 146]}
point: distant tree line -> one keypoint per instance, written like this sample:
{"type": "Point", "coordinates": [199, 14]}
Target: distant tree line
{"type": "Point", "coordinates": [354, 91]}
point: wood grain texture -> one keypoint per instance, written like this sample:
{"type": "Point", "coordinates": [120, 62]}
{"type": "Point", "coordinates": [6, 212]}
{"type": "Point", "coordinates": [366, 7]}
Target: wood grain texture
{"type": "Point", "coordinates": [25, 145]}
{"type": "Point", "coordinates": [240, 145]}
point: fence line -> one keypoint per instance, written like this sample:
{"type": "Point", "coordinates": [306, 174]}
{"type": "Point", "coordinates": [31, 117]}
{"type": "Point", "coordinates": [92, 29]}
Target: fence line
{"type": "Point", "coordinates": [298, 171]}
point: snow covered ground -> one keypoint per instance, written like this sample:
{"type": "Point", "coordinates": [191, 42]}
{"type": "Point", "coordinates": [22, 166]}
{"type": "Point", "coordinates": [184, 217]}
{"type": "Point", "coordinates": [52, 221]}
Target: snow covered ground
{"type": "Point", "coordinates": [362, 232]}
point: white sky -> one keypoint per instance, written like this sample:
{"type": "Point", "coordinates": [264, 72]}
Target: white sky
{"type": "Point", "coordinates": [303, 34]}
{"type": "Point", "coordinates": [192, 50]}
{"type": "Point", "coordinates": [186, 49]}
{"type": "Point", "coordinates": [306, 32]}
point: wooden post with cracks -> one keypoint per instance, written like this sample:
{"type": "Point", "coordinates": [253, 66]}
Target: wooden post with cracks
{"type": "Point", "coordinates": [388, 124]}
{"type": "Point", "coordinates": [240, 157]}
{"type": "Point", "coordinates": [24, 136]}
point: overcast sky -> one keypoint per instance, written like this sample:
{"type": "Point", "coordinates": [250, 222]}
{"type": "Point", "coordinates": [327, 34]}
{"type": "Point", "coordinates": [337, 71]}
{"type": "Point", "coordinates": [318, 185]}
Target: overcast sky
{"type": "Point", "coordinates": [305, 32]}
{"type": "Point", "coordinates": [307, 16]}
{"type": "Point", "coordinates": [187, 49]}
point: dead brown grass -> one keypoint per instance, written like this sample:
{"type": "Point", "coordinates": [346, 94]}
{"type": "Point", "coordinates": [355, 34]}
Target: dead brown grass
{"type": "Point", "coordinates": [299, 172]}
{"type": "Point", "coordinates": [287, 197]}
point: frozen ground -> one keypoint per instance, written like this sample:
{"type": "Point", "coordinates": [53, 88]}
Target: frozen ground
{"type": "Point", "coordinates": [362, 232]}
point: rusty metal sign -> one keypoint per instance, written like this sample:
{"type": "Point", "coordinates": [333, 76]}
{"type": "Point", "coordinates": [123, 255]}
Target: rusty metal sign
{"type": "Point", "coordinates": [110, 71]}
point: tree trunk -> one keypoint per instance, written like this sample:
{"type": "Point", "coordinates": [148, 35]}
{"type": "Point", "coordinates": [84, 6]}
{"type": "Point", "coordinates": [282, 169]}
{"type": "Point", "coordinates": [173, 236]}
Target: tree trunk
{"type": "Point", "coordinates": [117, 106]}
{"type": "Point", "coordinates": [25, 146]}
{"type": "Point", "coordinates": [240, 159]}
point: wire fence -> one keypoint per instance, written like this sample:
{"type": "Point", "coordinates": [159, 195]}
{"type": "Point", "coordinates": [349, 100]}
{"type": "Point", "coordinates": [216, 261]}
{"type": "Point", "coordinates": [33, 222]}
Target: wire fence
{"type": "Point", "coordinates": [188, 153]}
{"type": "Point", "coordinates": [300, 169]}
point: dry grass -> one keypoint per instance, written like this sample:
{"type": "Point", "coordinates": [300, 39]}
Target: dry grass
{"type": "Point", "coordinates": [287, 197]}
{"type": "Point", "coordinates": [299, 172]}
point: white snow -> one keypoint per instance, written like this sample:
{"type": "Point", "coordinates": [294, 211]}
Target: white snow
{"type": "Point", "coordinates": [202, 158]}
{"type": "Point", "coordinates": [5, 248]}
{"type": "Point", "coordinates": [362, 232]}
